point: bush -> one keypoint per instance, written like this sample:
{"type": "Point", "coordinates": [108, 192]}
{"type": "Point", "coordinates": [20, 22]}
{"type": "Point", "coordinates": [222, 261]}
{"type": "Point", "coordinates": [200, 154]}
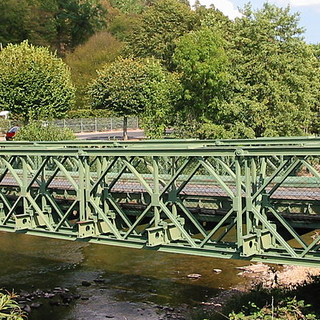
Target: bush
{"type": "Point", "coordinates": [41, 131]}
{"type": "Point", "coordinates": [100, 49]}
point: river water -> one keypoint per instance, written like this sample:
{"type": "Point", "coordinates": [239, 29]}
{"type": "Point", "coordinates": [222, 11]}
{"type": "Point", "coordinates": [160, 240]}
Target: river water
{"type": "Point", "coordinates": [132, 284]}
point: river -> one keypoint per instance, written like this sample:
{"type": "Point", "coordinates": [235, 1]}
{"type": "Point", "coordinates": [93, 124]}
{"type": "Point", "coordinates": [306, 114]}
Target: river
{"type": "Point", "coordinates": [120, 283]}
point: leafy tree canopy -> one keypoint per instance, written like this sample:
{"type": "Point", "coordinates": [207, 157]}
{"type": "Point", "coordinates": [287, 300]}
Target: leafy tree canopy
{"type": "Point", "coordinates": [160, 26]}
{"type": "Point", "coordinates": [34, 83]}
{"type": "Point", "coordinates": [131, 6]}
{"type": "Point", "coordinates": [76, 21]}
{"type": "Point", "coordinates": [136, 6]}
{"type": "Point", "coordinates": [122, 25]}
{"type": "Point", "coordinates": [276, 76]}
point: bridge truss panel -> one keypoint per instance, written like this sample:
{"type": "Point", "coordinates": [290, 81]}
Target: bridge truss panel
{"type": "Point", "coordinates": [248, 199]}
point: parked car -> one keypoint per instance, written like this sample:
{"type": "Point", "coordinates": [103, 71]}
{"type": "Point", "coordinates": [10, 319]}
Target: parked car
{"type": "Point", "coordinates": [11, 133]}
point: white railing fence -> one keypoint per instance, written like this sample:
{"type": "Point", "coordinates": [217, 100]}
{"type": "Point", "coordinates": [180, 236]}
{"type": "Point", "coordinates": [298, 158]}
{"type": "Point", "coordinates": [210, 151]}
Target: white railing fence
{"type": "Point", "coordinates": [82, 124]}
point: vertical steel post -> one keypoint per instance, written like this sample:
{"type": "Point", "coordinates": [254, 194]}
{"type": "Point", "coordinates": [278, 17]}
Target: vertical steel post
{"type": "Point", "coordinates": [87, 186]}
{"type": "Point", "coordinates": [156, 189]}
{"type": "Point", "coordinates": [263, 172]}
{"type": "Point", "coordinates": [237, 202]}
{"type": "Point", "coordinates": [173, 170]}
{"type": "Point", "coordinates": [248, 182]}
{"type": "Point", "coordinates": [81, 190]}
{"type": "Point", "coordinates": [24, 185]}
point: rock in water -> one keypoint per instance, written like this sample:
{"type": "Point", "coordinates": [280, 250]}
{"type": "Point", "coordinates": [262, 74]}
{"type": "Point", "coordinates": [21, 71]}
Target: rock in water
{"type": "Point", "coordinates": [194, 276]}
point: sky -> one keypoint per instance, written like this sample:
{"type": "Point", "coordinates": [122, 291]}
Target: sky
{"type": "Point", "coordinates": [309, 12]}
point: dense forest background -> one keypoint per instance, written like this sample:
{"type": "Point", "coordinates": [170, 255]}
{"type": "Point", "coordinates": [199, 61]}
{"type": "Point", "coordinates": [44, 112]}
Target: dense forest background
{"type": "Point", "coordinates": [192, 69]}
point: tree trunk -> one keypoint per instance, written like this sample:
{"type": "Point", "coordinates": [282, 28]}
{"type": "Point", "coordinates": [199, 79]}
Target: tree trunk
{"type": "Point", "coordinates": [125, 128]}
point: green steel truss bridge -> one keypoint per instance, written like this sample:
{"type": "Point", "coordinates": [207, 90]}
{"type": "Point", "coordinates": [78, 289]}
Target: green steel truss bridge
{"type": "Point", "coordinates": [255, 199]}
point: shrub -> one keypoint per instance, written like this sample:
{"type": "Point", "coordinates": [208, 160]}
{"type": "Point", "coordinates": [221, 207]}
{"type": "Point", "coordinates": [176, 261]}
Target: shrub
{"type": "Point", "coordinates": [42, 131]}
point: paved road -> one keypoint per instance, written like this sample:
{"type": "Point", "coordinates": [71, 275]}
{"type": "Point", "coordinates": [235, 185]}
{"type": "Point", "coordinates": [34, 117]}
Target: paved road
{"type": "Point", "coordinates": [114, 135]}
{"type": "Point", "coordinates": [110, 135]}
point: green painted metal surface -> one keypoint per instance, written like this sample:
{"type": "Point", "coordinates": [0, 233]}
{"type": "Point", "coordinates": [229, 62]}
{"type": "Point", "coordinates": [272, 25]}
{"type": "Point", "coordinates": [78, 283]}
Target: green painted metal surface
{"type": "Point", "coordinates": [255, 199]}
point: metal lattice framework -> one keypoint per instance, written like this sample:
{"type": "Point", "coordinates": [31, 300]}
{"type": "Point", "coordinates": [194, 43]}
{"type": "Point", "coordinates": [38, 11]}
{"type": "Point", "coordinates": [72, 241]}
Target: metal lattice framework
{"type": "Point", "coordinates": [249, 199]}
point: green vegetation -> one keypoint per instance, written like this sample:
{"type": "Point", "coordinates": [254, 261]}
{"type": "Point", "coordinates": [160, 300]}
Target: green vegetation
{"type": "Point", "coordinates": [276, 83]}
{"type": "Point", "coordinates": [34, 84]}
{"type": "Point", "coordinates": [280, 303]}
{"type": "Point", "coordinates": [249, 77]}
{"type": "Point", "coordinates": [203, 65]}
{"type": "Point", "coordinates": [100, 49]}
{"type": "Point", "coordinates": [9, 309]}
{"type": "Point", "coordinates": [286, 309]}
{"type": "Point", "coordinates": [42, 131]}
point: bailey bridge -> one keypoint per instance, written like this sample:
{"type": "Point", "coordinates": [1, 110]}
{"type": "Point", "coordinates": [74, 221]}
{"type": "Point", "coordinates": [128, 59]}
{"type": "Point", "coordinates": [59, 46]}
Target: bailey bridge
{"type": "Point", "coordinates": [253, 199]}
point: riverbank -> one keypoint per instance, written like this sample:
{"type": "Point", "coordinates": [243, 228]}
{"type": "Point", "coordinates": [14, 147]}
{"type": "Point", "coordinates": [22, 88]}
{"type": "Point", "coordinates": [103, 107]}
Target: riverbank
{"type": "Point", "coordinates": [264, 284]}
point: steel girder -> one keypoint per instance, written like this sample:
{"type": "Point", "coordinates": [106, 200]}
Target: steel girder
{"type": "Point", "coordinates": [249, 199]}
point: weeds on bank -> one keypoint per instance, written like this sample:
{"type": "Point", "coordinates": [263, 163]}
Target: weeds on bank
{"type": "Point", "coordinates": [9, 308]}
{"type": "Point", "coordinates": [288, 309]}
{"type": "Point", "coordinates": [299, 303]}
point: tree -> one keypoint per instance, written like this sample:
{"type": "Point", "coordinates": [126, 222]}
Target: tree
{"type": "Point", "coordinates": [160, 26]}
{"type": "Point", "coordinates": [262, 79]}
{"type": "Point", "coordinates": [21, 20]}
{"type": "Point", "coordinates": [276, 75]}
{"type": "Point", "coordinates": [129, 6]}
{"type": "Point", "coordinates": [34, 83]}
{"type": "Point", "coordinates": [138, 87]}
{"type": "Point", "coordinates": [214, 19]}
{"type": "Point", "coordinates": [202, 61]}
{"type": "Point", "coordinates": [122, 25]}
